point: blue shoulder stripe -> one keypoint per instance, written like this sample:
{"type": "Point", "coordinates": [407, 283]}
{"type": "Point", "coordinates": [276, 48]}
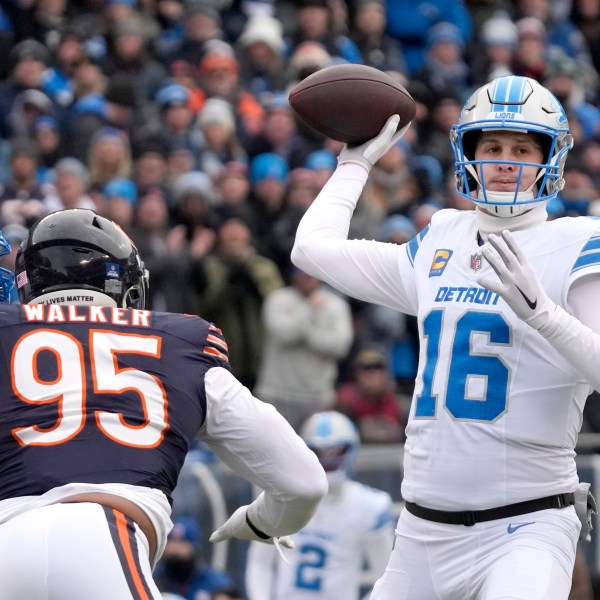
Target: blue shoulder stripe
{"type": "Point", "coordinates": [413, 245]}
{"type": "Point", "coordinates": [589, 255]}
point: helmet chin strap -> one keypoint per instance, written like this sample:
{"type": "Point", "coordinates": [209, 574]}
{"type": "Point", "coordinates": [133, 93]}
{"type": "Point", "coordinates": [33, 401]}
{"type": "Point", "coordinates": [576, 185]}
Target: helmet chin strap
{"type": "Point", "coordinates": [488, 223]}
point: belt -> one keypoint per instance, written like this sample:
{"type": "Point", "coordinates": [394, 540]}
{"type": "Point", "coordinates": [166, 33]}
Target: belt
{"type": "Point", "coordinates": [470, 517]}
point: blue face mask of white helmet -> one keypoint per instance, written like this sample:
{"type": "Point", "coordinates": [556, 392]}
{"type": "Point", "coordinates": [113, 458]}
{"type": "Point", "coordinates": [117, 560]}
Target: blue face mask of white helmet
{"type": "Point", "coordinates": [334, 439]}
{"type": "Point", "coordinates": [518, 104]}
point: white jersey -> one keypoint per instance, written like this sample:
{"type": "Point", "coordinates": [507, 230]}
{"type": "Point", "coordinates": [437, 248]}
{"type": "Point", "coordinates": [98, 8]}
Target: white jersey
{"type": "Point", "coordinates": [352, 525]}
{"type": "Point", "coordinates": [487, 380]}
{"type": "Point", "coordinates": [496, 409]}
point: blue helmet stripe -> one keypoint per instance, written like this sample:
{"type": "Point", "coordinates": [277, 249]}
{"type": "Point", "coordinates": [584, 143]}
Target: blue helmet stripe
{"type": "Point", "coordinates": [507, 94]}
{"type": "Point", "coordinates": [324, 425]}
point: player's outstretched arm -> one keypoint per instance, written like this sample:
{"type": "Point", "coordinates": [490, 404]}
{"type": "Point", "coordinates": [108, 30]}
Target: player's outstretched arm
{"type": "Point", "coordinates": [576, 339]}
{"type": "Point", "coordinates": [257, 443]}
{"type": "Point", "coordinates": [357, 268]}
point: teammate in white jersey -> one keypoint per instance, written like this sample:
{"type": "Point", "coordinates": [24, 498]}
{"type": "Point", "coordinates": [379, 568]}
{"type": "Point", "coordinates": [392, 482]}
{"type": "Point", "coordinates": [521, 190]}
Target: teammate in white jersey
{"type": "Point", "coordinates": [510, 348]}
{"type": "Point", "coordinates": [353, 525]}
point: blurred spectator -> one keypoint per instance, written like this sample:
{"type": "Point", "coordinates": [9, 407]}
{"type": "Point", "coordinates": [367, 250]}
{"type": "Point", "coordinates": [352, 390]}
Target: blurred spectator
{"type": "Point", "coordinates": [590, 160]}
{"type": "Point", "coordinates": [498, 41]}
{"type": "Point", "coordinates": [22, 198]}
{"type": "Point", "coordinates": [275, 222]}
{"type": "Point", "coordinates": [563, 38]}
{"type": "Point", "coordinates": [437, 143]}
{"type": "Point", "coordinates": [216, 122]}
{"type": "Point", "coordinates": [170, 290]}
{"type": "Point", "coordinates": [370, 401]}
{"type": "Point", "coordinates": [238, 279]}
{"type": "Point", "coordinates": [109, 157]}
{"type": "Point", "coordinates": [177, 120]}
{"type": "Point", "coordinates": [444, 69]}
{"type": "Point", "coordinates": [27, 62]}
{"type": "Point", "coordinates": [302, 188]}
{"type": "Point", "coordinates": [119, 199]}
{"type": "Point", "coordinates": [47, 136]}
{"type": "Point", "coordinates": [585, 14]}
{"type": "Point", "coordinates": [129, 54]}
{"type": "Point", "coordinates": [201, 24]}
{"type": "Point", "coordinates": [71, 184]}
{"type": "Point", "coordinates": [150, 163]}
{"type": "Point", "coordinates": [388, 189]}
{"type": "Point", "coordinates": [579, 192]}
{"type": "Point", "coordinates": [169, 15]}
{"type": "Point", "coordinates": [409, 22]}
{"type": "Point", "coordinates": [531, 53]}
{"type": "Point", "coordinates": [565, 80]}
{"type": "Point", "coordinates": [322, 163]}
{"type": "Point", "coordinates": [87, 79]}
{"type": "Point", "coordinates": [27, 107]}
{"type": "Point", "coordinates": [309, 330]}
{"type": "Point", "coordinates": [117, 107]}
{"type": "Point", "coordinates": [279, 133]}
{"type": "Point", "coordinates": [233, 185]}
{"type": "Point", "coordinates": [182, 569]}
{"type": "Point", "coordinates": [377, 48]}
{"type": "Point", "coordinates": [261, 54]}
{"type": "Point", "coordinates": [58, 78]}
{"type": "Point", "coordinates": [314, 23]}
{"type": "Point", "coordinates": [220, 77]}
{"type": "Point", "coordinates": [306, 58]}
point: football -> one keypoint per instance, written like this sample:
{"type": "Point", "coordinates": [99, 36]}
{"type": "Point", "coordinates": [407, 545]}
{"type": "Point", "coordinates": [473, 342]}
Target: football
{"type": "Point", "coordinates": [351, 103]}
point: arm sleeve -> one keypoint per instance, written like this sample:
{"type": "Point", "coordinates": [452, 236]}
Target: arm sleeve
{"type": "Point", "coordinates": [257, 443]}
{"type": "Point", "coordinates": [364, 269]}
{"type": "Point", "coordinates": [576, 336]}
{"type": "Point", "coordinates": [261, 561]}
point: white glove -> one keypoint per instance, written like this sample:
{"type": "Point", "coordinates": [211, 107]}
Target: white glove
{"type": "Point", "coordinates": [519, 286]}
{"type": "Point", "coordinates": [240, 527]}
{"type": "Point", "coordinates": [370, 152]}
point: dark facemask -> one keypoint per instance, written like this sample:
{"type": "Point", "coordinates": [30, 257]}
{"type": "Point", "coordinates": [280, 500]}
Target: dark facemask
{"type": "Point", "coordinates": [180, 568]}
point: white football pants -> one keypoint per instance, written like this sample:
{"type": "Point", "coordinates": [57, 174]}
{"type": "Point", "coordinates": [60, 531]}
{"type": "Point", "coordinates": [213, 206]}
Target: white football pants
{"type": "Point", "coordinates": [74, 551]}
{"type": "Point", "coordinates": [528, 557]}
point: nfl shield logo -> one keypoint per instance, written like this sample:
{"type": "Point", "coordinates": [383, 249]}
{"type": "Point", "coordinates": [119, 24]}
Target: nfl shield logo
{"type": "Point", "coordinates": [475, 261]}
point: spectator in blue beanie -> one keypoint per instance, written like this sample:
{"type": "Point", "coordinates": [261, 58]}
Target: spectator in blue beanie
{"type": "Point", "coordinates": [120, 197]}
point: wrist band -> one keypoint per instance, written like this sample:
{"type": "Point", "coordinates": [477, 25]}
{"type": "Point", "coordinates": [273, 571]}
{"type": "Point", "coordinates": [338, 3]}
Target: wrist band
{"type": "Point", "coordinates": [257, 532]}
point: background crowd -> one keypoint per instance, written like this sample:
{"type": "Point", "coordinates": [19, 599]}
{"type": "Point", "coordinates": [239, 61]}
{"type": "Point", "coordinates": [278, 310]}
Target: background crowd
{"type": "Point", "coordinates": [171, 118]}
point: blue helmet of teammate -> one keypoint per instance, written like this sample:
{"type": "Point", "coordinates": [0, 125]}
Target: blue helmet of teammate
{"type": "Point", "coordinates": [75, 256]}
{"type": "Point", "coordinates": [518, 104]}
{"type": "Point", "coordinates": [334, 439]}
{"type": "Point", "coordinates": [7, 278]}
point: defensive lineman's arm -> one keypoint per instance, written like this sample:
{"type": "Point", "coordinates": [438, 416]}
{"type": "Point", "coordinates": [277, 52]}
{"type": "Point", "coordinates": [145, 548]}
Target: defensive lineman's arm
{"type": "Point", "coordinates": [253, 439]}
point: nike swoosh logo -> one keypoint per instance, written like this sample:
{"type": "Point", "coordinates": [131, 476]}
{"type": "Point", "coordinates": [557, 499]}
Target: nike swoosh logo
{"type": "Point", "coordinates": [512, 528]}
{"type": "Point", "coordinates": [531, 304]}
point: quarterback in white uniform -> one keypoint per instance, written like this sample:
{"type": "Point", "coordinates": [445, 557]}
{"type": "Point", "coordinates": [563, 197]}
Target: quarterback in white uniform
{"type": "Point", "coordinates": [353, 525]}
{"type": "Point", "coordinates": [510, 347]}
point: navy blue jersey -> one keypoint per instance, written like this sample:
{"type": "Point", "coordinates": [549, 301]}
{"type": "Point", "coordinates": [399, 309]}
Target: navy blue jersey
{"type": "Point", "coordinates": [100, 395]}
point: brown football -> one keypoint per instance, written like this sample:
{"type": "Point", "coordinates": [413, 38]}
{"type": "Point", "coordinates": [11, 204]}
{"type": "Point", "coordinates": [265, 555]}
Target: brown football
{"type": "Point", "coordinates": [351, 103]}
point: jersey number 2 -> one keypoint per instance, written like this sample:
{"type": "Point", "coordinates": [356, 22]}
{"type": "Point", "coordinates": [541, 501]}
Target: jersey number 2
{"type": "Point", "coordinates": [68, 389]}
{"type": "Point", "coordinates": [466, 366]}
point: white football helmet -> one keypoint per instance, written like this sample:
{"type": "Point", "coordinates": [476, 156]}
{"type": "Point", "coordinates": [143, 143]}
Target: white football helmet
{"type": "Point", "coordinates": [334, 439]}
{"type": "Point", "coordinates": [514, 104]}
